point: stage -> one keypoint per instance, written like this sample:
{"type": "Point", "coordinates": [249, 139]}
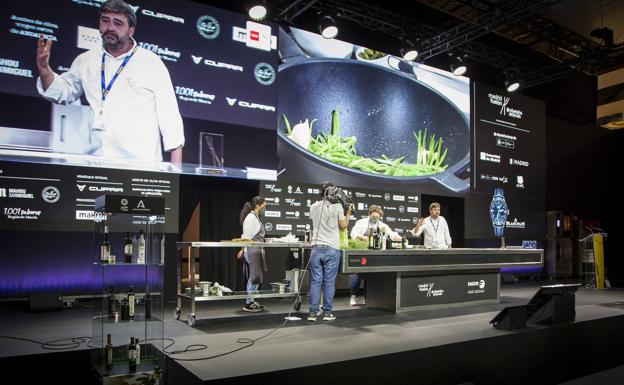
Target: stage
{"type": "Point", "coordinates": [448, 346]}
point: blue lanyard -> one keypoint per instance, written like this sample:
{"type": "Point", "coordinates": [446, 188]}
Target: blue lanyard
{"type": "Point", "coordinates": [435, 228]}
{"type": "Point", "coordinates": [106, 89]}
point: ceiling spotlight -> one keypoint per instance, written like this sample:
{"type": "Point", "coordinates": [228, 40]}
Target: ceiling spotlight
{"type": "Point", "coordinates": [458, 67]}
{"type": "Point", "coordinates": [409, 51]}
{"type": "Point", "coordinates": [258, 10]}
{"type": "Point", "coordinates": [511, 85]}
{"type": "Point", "coordinates": [328, 27]}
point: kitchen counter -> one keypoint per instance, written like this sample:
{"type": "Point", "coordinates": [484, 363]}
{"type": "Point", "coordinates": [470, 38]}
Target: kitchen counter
{"type": "Point", "coordinates": [407, 279]}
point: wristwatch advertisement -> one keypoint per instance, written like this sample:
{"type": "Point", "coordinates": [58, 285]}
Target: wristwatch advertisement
{"type": "Point", "coordinates": [498, 212]}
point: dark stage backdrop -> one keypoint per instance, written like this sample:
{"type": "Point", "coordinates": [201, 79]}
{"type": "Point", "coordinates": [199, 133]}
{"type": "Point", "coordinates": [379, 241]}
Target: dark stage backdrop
{"type": "Point", "coordinates": [220, 200]}
{"type": "Point", "coordinates": [509, 152]}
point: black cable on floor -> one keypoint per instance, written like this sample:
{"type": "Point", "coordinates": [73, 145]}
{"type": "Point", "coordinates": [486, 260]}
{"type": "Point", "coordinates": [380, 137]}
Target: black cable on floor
{"type": "Point", "coordinates": [243, 340]}
{"type": "Point", "coordinates": [73, 342]}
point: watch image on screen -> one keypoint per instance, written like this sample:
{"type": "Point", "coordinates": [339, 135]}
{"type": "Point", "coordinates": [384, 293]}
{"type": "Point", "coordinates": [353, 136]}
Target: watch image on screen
{"type": "Point", "coordinates": [498, 212]}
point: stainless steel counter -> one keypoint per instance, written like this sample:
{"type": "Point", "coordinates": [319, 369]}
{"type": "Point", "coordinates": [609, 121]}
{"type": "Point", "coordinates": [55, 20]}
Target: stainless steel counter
{"type": "Point", "coordinates": [192, 250]}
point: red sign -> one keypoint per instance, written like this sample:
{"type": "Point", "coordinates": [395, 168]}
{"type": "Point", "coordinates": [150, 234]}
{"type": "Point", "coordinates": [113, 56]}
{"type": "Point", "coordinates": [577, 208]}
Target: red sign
{"type": "Point", "coordinates": [363, 261]}
{"type": "Point", "coordinates": [254, 35]}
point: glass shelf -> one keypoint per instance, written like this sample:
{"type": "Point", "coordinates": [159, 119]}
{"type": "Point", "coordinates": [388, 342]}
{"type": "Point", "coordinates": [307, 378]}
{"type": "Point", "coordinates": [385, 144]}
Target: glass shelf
{"type": "Point", "coordinates": [117, 231]}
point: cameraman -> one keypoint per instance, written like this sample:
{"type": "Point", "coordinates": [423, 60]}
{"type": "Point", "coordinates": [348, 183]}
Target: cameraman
{"type": "Point", "coordinates": [327, 220]}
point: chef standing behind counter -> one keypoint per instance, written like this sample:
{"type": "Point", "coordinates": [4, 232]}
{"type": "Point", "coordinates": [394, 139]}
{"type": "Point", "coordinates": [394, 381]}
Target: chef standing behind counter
{"type": "Point", "coordinates": [361, 231]}
{"type": "Point", "coordinates": [436, 229]}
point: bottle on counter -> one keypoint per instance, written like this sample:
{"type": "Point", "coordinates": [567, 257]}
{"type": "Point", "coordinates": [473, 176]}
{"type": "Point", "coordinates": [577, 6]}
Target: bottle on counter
{"type": "Point", "coordinates": [128, 249]}
{"type": "Point", "coordinates": [372, 230]}
{"type": "Point", "coordinates": [388, 242]}
{"type": "Point", "coordinates": [131, 302]}
{"type": "Point", "coordinates": [377, 241]}
{"type": "Point", "coordinates": [141, 248]}
{"type": "Point", "coordinates": [105, 248]}
{"type": "Point", "coordinates": [108, 353]}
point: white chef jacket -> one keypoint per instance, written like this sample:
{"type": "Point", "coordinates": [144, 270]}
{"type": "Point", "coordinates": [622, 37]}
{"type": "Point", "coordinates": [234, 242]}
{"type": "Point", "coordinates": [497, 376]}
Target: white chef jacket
{"type": "Point", "coordinates": [251, 226]}
{"type": "Point", "coordinates": [437, 234]}
{"type": "Point", "coordinates": [361, 228]}
{"type": "Point", "coordinates": [140, 107]}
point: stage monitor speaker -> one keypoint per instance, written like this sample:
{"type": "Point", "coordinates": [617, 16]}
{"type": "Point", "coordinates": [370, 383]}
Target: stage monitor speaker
{"type": "Point", "coordinates": [510, 318]}
{"type": "Point", "coordinates": [553, 305]}
{"type": "Point", "coordinates": [46, 301]}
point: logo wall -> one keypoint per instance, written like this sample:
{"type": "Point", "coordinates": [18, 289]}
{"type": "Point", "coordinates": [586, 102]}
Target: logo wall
{"type": "Point", "coordinates": [208, 27]}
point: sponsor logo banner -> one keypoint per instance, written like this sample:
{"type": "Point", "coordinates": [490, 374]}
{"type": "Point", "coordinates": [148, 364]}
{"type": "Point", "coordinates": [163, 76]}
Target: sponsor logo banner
{"type": "Point", "coordinates": [208, 27]}
{"type": "Point", "coordinates": [163, 16]}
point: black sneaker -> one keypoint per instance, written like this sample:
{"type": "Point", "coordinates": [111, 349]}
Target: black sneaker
{"type": "Point", "coordinates": [252, 307]}
{"type": "Point", "coordinates": [328, 316]}
{"type": "Point", "coordinates": [312, 317]}
{"type": "Point", "coordinates": [259, 306]}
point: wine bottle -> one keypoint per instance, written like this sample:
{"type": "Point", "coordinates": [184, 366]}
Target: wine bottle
{"type": "Point", "coordinates": [108, 353]}
{"type": "Point", "coordinates": [131, 302]}
{"type": "Point", "coordinates": [125, 314]}
{"type": "Point", "coordinates": [111, 302]}
{"type": "Point", "coordinates": [388, 242]}
{"type": "Point", "coordinates": [148, 305]}
{"type": "Point", "coordinates": [132, 355]}
{"type": "Point", "coordinates": [141, 253]}
{"type": "Point", "coordinates": [128, 249]}
{"type": "Point", "coordinates": [377, 239]}
{"type": "Point", "coordinates": [137, 350]}
{"type": "Point", "coordinates": [105, 248]}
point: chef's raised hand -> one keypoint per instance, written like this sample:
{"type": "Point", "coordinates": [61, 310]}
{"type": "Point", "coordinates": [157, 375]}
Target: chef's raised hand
{"type": "Point", "coordinates": [420, 222]}
{"type": "Point", "coordinates": [44, 47]}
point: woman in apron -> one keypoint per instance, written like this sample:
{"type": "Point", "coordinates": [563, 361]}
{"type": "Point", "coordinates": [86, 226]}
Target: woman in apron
{"type": "Point", "coordinates": [253, 229]}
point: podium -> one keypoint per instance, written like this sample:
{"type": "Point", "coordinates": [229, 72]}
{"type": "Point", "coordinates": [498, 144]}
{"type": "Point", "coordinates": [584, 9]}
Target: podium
{"type": "Point", "coordinates": [592, 256]}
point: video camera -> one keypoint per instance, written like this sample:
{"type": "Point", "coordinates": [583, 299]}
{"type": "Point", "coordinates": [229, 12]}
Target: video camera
{"type": "Point", "coordinates": [335, 194]}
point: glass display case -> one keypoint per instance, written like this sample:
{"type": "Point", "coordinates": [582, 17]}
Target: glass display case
{"type": "Point", "coordinates": [128, 322]}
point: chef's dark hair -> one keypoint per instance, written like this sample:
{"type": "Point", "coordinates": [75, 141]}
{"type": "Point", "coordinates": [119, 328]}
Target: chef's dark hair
{"type": "Point", "coordinates": [324, 186]}
{"type": "Point", "coordinates": [249, 206]}
{"type": "Point", "coordinates": [119, 6]}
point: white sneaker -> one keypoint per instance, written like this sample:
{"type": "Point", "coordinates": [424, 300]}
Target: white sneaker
{"type": "Point", "coordinates": [362, 301]}
{"type": "Point", "coordinates": [353, 300]}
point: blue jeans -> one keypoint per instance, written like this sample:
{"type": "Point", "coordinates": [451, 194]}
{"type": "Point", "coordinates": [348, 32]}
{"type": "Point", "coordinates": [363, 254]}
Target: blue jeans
{"type": "Point", "coordinates": [324, 262]}
{"type": "Point", "coordinates": [355, 284]}
{"type": "Point", "coordinates": [251, 287]}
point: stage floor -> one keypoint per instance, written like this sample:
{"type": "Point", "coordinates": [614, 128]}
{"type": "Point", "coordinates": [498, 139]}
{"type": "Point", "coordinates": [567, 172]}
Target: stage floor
{"type": "Point", "coordinates": [357, 332]}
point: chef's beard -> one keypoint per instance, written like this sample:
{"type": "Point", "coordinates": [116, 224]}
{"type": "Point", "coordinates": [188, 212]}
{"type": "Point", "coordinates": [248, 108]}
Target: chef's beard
{"type": "Point", "coordinates": [113, 42]}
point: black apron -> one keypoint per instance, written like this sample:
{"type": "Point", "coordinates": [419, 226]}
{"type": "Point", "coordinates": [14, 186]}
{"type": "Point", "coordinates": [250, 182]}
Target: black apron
{"type": "Point", "coordinates": [255, 263]}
